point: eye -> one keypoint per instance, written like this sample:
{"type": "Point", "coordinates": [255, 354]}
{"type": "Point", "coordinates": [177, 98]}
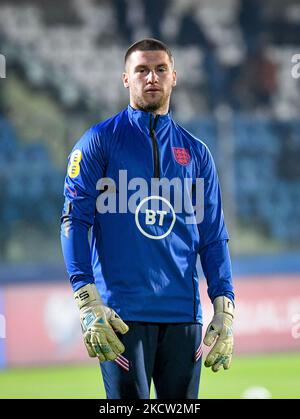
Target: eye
{"type": "Point", "coordinates": [141, 70]}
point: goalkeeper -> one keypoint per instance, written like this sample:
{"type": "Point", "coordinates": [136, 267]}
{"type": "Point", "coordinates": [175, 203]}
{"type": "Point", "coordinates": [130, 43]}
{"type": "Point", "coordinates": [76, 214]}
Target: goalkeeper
{"type": "Point", "coordinates": [134, 278]}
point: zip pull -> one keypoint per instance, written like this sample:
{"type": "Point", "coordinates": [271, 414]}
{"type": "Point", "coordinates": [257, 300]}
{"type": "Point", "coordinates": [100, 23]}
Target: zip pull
{"type": "Point", "coordinates": [154, 124]}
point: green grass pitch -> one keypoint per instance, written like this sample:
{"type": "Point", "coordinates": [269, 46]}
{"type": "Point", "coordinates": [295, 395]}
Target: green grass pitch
{"type": "Point", "coordinates": [278, 373]}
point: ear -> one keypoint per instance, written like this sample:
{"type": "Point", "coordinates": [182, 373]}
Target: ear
{"type": "Point", "coordinates": [125, 80]}
{"type": "Point", "coordinates": [174, 78]}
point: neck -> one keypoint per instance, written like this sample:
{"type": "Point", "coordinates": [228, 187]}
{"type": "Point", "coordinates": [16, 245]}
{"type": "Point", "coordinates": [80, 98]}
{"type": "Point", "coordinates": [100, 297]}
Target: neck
{"type": "Point", "coordinates": [163, 110]}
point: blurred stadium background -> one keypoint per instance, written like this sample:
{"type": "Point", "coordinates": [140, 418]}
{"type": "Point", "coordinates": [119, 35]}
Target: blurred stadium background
{"type": "Point", "coordinates": [237, 91]}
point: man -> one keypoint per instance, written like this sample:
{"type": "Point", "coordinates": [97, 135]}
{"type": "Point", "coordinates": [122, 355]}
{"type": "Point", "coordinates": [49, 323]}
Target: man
{"type": "Point", "coordinates": [136, 283]}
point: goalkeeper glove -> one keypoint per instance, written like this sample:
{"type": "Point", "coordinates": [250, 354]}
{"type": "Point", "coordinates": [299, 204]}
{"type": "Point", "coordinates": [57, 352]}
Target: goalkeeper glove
{"type": "Point", "coordinates": [220, 331]}
{"type": "Point", "coordinates": [99, 324]}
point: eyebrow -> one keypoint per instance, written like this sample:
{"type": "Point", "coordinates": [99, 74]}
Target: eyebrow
{"type": "Point", "coordinates": [146, 65]}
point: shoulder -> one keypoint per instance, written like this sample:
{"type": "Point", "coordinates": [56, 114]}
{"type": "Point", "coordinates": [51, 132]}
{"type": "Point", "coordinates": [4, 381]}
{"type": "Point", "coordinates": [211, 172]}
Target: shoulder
{"type": "Point", "coordinates": [99, 135]}
{"type": "Point", "coordinates": [197, 146]}
{"type": "Point", "coordinates": [109, 126]}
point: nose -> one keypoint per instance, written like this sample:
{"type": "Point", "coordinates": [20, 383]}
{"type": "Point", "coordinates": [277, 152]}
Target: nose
{"type": "Point", "coordinates": [152, 77]}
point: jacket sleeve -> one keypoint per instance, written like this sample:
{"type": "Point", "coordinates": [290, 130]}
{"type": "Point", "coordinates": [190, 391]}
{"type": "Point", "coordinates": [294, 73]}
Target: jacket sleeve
{"type": "Point", "coordinates": [213, 249]}
{"type": "Point", "coordinates": [86, 167]}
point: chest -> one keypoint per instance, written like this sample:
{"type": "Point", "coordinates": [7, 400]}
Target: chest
{"type": "Point", "coordinates": [141, 155]}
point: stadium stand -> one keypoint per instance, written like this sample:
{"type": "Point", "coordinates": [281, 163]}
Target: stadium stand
{"type": "Point", "coordinates": [237, 54]}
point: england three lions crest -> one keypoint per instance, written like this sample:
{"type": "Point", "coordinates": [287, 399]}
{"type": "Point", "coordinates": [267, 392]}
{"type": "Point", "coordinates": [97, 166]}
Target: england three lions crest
{"type": "Point", "coordinates": [181, 155]}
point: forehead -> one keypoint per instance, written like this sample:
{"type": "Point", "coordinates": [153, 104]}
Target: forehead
{"type": "Point", "coordinates": [148, 58]}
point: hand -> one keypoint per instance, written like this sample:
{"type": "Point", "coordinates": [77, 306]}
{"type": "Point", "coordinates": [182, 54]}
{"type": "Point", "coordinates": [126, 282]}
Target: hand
{"type": "Point", "coordinates": [220, 331]}
{"type": "Point", "coordinates": [99, 324]}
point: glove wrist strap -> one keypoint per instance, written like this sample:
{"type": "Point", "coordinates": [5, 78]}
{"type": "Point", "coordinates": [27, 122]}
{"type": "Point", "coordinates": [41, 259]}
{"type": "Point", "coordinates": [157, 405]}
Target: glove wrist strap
{"type": "Point", "coordinates": [223, 305]}
{"type": "Point", "coordinates": [87, 295]}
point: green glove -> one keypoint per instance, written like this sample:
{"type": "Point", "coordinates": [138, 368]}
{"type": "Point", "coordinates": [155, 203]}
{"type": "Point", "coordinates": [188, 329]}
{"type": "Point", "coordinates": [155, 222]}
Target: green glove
{"type": "Point", "coordinates": [99, 324]}
{"type": "Point", "coordinates": [220, 331]}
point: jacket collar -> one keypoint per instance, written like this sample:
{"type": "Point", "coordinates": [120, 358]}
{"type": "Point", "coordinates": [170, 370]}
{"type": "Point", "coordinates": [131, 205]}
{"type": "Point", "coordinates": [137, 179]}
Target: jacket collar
{"type": "Point", "coordinates": [144, 119]}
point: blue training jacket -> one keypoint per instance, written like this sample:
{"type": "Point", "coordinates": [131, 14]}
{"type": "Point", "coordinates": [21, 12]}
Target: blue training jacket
{"type": "Point", "coordinates": [143, 261]}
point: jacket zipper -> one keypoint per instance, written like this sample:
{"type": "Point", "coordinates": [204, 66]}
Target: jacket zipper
{"type": "Point", "coordinates": [154, 145]}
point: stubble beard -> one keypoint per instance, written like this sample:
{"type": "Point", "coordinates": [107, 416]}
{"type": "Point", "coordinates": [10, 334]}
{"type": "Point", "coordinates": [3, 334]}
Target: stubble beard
{"type": "Point", "coordinates": [143, 105]}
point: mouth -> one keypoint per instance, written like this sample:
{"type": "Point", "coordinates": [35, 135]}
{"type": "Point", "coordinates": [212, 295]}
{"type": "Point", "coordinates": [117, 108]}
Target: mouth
{"type": "Point", "coordinates": [153, 90]}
